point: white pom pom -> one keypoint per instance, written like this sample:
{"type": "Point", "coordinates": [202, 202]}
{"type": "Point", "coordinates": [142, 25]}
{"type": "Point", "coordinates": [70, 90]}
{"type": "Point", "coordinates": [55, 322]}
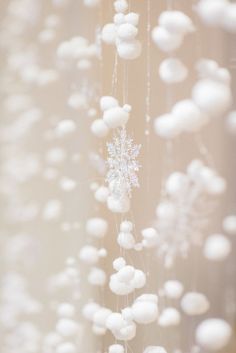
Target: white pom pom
{"type": "Point", "coordinates": [188, 116]}
{"type": "Point", "coordinates": [115, 117]}
{"type": "Point", "coordinates": [66, 347]}
{"type": "Point", "coordinates": [216, 186]}
{"type": "Point", "coordinates": [166, 211]}
{"type": "Point", "coordinates": [97, 227]}
{"type": "Point", "coordinates": [177, 183]}
{"type": "Point", "coordinates": [169, 317]}
{"type": "Point", "coordinates": [150, 237]}
{"type": "Point", "coordinates": [118, 205]}
{"type": "Point", "coordinates": [118, 287]}
{"type": "Point", "coordinates": [229, 18]}
{"type": "Point", "coordinates": [65, 127]}
{"type": "Point", "coordinates": [129, 50]}
{"type": "Point", "coordinates": [116, 348]}
{"type": "Point", "coordinates": [89, 310]}
{"type": "Point", "coordinates": [139, 279]}
{"type": "Point", "coordinates": [125, 274]}
{"type": "Point", "coordinates": [119, 263]}
{"type": "Point", "coordinates": [213, 334]}
{"type": "Point", "coordinates": [165, 40]}
{"type": "Point", "coordinates": [144, 310]}
{"type": "Point", "coordinates": [97, 277]}
{"type": "Point", "coordinates": [92, 3]}
{"type": "Point", "coordinates": [66, 310]}
{"type": "Point", "coordinates": [132, 18]}
{"type": "Point", "coordinates": [127, 32]}
{"type": "Point", "coordinates": [176, 22]}
{"type": "Point", "coordinates": [109, 33]}
{"type": "Point", "coordinates": [154, 349]}
{"type": "Point", "coordinates": [120, 6]}
{"type": "Point", "coordinates": [114, 321]}
{"type": "Point", "coordinates": [100, 317]}
{"type": "Point", "coordinates": [217, 247]}
{"type": "Point", "coordinates": [126, 333]}
{"type": "Point", "coordinates": [67, 327]}
{"type": "Point", "coordinates": [173, 289]}
{"type": "Point", "coordinates": [99, 128]}
{"type": "Point", "coordinates": [211, 11]}
{"type": "Point", "coordinates": [126, 240]}
{"type": "Point", "coordinates": [166, 126]}
{"type": "Point", "coordinates": [173, 71]}
{"type": "Point", "coordinates": [89, 255]}
{"type": "Point", "coordinates": [108, 102]}
{"type": "Point", "coordinates": [126, 226]}
{"type": "Point", "coordinates": [101, 194]}
{"type": "Point", "coordinates": [194, 303]}
{"type": "Point", "coordinates": [229, 224]}
{"type": "Point", "coordinates": [212, 97]}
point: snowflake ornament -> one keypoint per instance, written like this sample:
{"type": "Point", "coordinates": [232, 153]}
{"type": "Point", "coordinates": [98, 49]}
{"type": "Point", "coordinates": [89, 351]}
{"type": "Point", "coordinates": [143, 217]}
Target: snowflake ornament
{"type": "Point", "coordinates": [123, 165]}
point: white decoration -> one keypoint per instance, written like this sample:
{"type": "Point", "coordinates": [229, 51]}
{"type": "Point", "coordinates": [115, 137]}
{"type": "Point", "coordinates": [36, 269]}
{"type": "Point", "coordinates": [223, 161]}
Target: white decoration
{"type": "Point", "coordinates": [169, 317]}
{"type": "Point", "coordinates": [194, 303]}
{"type": "Point", "coordinates": [97, 227]}
{"type": "Point", "coordinates": [173, 289]}
{"type": "Point", "coordinates": [172, 71]}
{"type": "Point", "coordinates": [229, 224]}
{"type": "Point", "coordinates": [145, 309]}
{"type": "Point", "coordinates": [217, 247]}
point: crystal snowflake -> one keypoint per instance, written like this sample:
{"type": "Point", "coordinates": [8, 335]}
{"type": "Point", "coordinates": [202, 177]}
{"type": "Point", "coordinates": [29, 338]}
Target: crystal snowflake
{"type": "Point", "coordinates": [123, 165]}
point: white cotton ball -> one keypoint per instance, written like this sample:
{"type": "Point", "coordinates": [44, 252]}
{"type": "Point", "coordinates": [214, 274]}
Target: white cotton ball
{"type": "Point", "coordinates": [109, 33]}
{"type": "Point", "coordinates": [115, 117]}
{"type": "Point", "coordinates": [97, 277]}
{"type": "Point", "coordinates": [127, 314]}
{"type": "Point", "coordinates": [212, 97]}
{"type": "Point", "coordinates": [52, 210]}
{"type": "Point", "coordinates": [188, 116]}
{"type": "Point", "coordinates": [101, 194]}
{"type": "Point", "coordinates": [132, 18]}
{"type": "Point", "coordinates": [194, 303]}
{"type": "Point", "coordinates": [116, 348]}
{"type": "Point", "coordinates": [66, 347]}
{"type": "Point", "coordinates": [173, 289]}
{"type": "Point", "coordinates": [139, 279]}
{"type": "Point", "coordinates": [98, 330]}
{"type": "Point", "coordinates": [67, 184]}
{"type": "Point", "coordinates": [217, 247]}
{"type": "Point", "coordinates": [129, 50]}
{"type": "Point", "coordinates": [126, 333]}
{"type": "Point", "coordinates": [177, 183]}
{"type": "Point", "coordinates": [231, 123]}
{"type": "Point", "coordinates": [145, 309]}
{"type": "Point", "coordinates": [56, 155]}
{"type": "Point", "coordinates": [176, 22]}
{"type": "Point", "coordinates": [165, 40]}
{"type": "Point", "coordinates": [126, 226]}
{"type": "Point", "coordinates": [213, 334]}
{"type": "Point", "coordinates": [150, 237]}
{"type": "Point", "coordinates": [120, 6]}
{"type": "Point", "coordinates": [64, 127]}
{"type": "Point", "coordinates": [118, 205]}
{"type": "Point", "coordinates": [66, 310]}
{"type": "Point", "coordinates": [172, 70]}
{"type": "Point", "coordinates": [126, 274]}
{"type": "Point", "coordinates": [169, 317]}
{"type": "Point", "coordinates": [67, 327]}
{"type": "Point", "coordinates": [100, 317]}
{"type": "Point", "coordinates": [77, 101]}
{"type": "Point", "coordinates": [97, 227]}
{"type": "Point", "coordinates": [126, 240]}
{"type": "Point", "coordinates": [210, 11]}
{"type": "Point", "coordinates": [108, 102]}
{"type": "Point", "coordinates": [127, 31]}
{"type": "Point", "coordinates": [154, 349]}
{"type": "Point", "coordinates": [114, 321]}
{"type": "Point", "coordinates": [229, 18]}
{"type": "Point", "coordinates": [99, 128]}
{"type": "Point", "coordinates": [194, 169]}
{"type": "Point", "coordinates": [119, 19]}
{"type": "Point", "coordinates": [119, 288]}
{"type": "Point", "coordinates": [229, 224]}
{"type": "Point", "coordinates": [119, 263]}
{"type": "Point", "coordinates": [89, 310]}
{"type": "Point", "coordinates": [92, 3]}
{"type": "Point", "coordinates": [166, 126]}
{"type": "Point", "coordinates": [102, 252]}
{"type": "Point", "coordinates": [166, 211]}
{"type": "Point", "coordinates": [217, 186]}
{"type": "Point", "coordinates": [89, 255]}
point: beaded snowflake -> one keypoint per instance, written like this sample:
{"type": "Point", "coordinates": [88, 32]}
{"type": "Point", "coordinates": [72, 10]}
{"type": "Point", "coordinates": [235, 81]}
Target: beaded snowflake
{"type": "Point", "coordinates": [122, 164]}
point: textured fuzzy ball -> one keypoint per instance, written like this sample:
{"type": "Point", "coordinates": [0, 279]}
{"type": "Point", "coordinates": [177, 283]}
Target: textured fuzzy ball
{"type": "Point", "coordinates": [231, 123]}
{"type": "Point", "coordinates": [116, 348]}
{"type": "Point", "coordinates": [150, 237]}
{"type": "Point", "coordinates": [99, 128]}
{"type": "Point", "coordinates": [145, 309]}
{"type": "Point", "coordinates": [108, 102]}
{"type": "Point", "coordinates": [173, 289]}
{"type": "Point", "coordinates": [127, 32]}
{"type": "Point", "coordinates": [211, 11]}
{"type": "Point", "coordinates": [97, 227]}
{"type": "Point", "coordinates": [172, 71]}
{"type": "Point", "coordinates": [115, 117]}
{"type": "Point", "coordinates": [169, 317]}
{"type": "Point", "coordinates": [165, 40]}
{"type": "Point", "coordinates": [119, 263]}
{"type": "Point", "coordinates": [176, 22]}
{"type": "Point", "coordinates": [166, 126]}
{"type": "Point", "coordinates": [229, 224]}
{"type": "Point", "coordinates": [217, 247]}
{"type": "Point", "coordinates": [109, 33]}
{"type": "Point", "coordinates": [89, 310]}
{"type": "Point", "coordinates": [177, 183]}
{"type": "Point", "coordinates": [118, 205]}
{"type": "Point", "coordinates": [126, 226]}
{"type": "Point", "coordinates": [126, 240]}
{"type": "Point", "coordinates": [129, 50]}
{"type": "Point", "coordinates": [229, 18]}
{"type": "Point", "coordinates": [66, 310]}
{"type": "Point", "coordinates": [97, 277]}
{"type": "Point", "coordinates": [89, 255]}
{"type": "Point", "coordinates": [101, 194]}
{"type": "Point", "coordinates": [194, 303]}
{"type": "Point", "coordinates": [213, 334]}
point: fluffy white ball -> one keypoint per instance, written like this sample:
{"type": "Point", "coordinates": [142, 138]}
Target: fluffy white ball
{"type": "Point", "coordinates": [166, 126]}
{"type": "Point", "coordinates": [176, 22]}
{"type": "Point", "coordinates": [126, 240]}
{"type": "Point", "coordinates": [169, 317]}
{"type": "Point", "coordinates": [165, 40]}
{"type": "Point", "coordinates": [97, 227]}
{"type": "Point", "coordinates": [108, 102]}
{"type": "Point", "coordinates": [118, 205]}
{"type": "Point", "coordinates": [217, 247]}
{"type": "Point", "coordinates": [229, 224]}
{"type": "Point", "coordinates": [173, 289]}
{"type": "Point", "coordinates": [109, 33]}
{"type": "Point", "coordinates": [213, 334]}
{"type": "Point", "coordinates": [194, 303]}
{"type": "Point", "coordinates": [129, 50]}
{"type": "Point", "coordinates": [97, 277]}
{"type": "Point", "coordinates": [99, 128]}
{"type": "Point", "coordinates": [115, 117]}
{"type": "Point", "coordinates": [172, 71]}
